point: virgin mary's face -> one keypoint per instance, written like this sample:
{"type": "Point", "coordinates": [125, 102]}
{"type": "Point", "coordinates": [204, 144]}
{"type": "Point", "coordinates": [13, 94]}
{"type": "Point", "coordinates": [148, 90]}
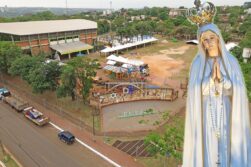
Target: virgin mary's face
{"type": "Point", "coordinates": [210, 41]}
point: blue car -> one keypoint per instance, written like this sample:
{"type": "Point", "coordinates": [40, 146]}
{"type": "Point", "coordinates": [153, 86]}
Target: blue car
{"type": "Point", "coordinates": [66, 137]}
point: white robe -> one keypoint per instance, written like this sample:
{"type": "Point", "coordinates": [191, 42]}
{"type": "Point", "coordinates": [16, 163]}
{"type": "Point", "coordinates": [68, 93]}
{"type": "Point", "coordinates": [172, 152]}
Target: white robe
{"type": "Point", "coordinates": [196, 152]}
{"type": "Point", "coordinates": [216, 111]}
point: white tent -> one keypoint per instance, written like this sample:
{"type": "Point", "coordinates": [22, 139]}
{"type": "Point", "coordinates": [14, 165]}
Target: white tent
{"type": "Point", "coordinates": [231, 45]}
{"type": "Point", "coordinates": [135, 62]}
{"type": "Point", "coordinates": [126, 66]}
{"type": "Point", "coordinates": [110, 62]}
{"type": "Point", "coordinates": [117, 59]}
{"type": "Point", "coordinates": [128, 45]}
{"type": "Point", "coordinates": [112, 57]}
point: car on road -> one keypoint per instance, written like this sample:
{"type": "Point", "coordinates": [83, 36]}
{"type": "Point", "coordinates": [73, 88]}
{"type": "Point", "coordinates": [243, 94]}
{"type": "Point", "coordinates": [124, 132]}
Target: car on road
{"type": "Point", "coordinates": [4, 93]}
{"type": "Point", "coordinates": [35, 116]}
{"type": "Point", "coordinates": [66, 137]}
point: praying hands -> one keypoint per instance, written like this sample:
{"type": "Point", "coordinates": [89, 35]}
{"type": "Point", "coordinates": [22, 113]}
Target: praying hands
{"type": "Point", "coordinates": [216, 74]}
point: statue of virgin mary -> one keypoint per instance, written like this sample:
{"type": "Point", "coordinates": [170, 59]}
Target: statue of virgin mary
{"type": "Point", "coordinates": [217, 127]}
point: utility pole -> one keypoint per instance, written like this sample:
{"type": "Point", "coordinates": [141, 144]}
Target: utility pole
{"type": "Point", "coordinates": [93, 124]}
{"type": "Point", "coordinates": [110, 22]}
{"type": "Point", "coordinates": [111, 6]}
{"type": "Point", "coordinates": [66, 7]}
{"type": "Point", "coordinates": [95, 112]}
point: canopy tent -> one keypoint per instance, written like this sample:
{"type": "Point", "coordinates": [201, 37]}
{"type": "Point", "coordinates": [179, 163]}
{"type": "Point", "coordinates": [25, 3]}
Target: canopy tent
{"type": "Point", "coordinates": [123, 60]}
{"type": "Point", "coordinates": [135, 62]}
{"type": "Point", "coordinates": [67, 48]}
{"type": "Point", "coordinates": [119, 59]}
{"type": "Point", "coordinates": [112, 57]}
{"type": "Point", "coordinates": [231, 45]}
{"type": "Point", "coordinates": [110, 62]}
{"type": "Point", "coordinates": [128, 45]}
{"type": "Point", "coordinates": [115, 69]}
{"type": "Point", "coordinates": [127, 66]}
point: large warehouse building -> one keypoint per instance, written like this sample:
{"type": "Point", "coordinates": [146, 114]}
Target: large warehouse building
{"type": "Point", "coordinates": [63, 38]}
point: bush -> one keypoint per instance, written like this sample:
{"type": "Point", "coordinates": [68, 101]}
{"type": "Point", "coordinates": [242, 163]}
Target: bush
{"type": "Point", "coordinates": [174, 40]}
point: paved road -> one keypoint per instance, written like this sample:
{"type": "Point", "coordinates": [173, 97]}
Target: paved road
{"type": "Point", "coordinates": [39, 147]}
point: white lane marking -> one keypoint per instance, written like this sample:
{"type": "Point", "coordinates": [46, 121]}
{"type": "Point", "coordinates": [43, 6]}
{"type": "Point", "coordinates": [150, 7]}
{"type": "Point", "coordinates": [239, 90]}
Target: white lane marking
{"type": "Point", "coordinates": [2, 164]}
{"type": "Point", "coordinates": [90, 148]}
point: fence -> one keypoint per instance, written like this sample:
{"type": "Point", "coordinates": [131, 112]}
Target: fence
{"type": "Point", "coordinates": [50, 107]}
{"type": "Point", "coordinates": [63, 113]}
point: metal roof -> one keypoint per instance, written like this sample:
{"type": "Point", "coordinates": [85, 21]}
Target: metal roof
{"type": "Point", "coordinates": [41, 27]}
{"type": "Point", "coordinates": [128, 45]}
{"type": "Point", "coordinates": [72, 47]}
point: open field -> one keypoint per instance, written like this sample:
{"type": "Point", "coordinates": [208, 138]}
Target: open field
{"type": "Point", "coordinates": [169, 62]}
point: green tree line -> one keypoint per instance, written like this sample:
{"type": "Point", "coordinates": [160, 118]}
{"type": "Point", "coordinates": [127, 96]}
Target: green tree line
{"type": "Point", "coordinates": [43, 76]}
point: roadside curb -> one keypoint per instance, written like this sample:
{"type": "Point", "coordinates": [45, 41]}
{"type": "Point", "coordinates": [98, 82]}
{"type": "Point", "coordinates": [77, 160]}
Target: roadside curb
{"type": "Point", "coordinates": [11, 155]}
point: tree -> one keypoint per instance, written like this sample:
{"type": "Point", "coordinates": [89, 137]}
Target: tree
{"type": "Point", "coordinates": [237, 52]}
{"type": "Point", "coordinates": [22, 66]}
{"type": "Point", "coordinates": [170, 142]}
{"type": "Point", "coordinates": [68, 83]}
{"type": "Point", "coordinates": [103, 27]}
{"type": "Point", "coordinates": [45, 77]}
{"type": "Point", "coordinates": [246, 69]}
{"type": "Point", "coordinates": [246, 41]}
{"type": "Point", "coordinates": [179, 20]}
{"type": "Point", "coordinates": [143, 28]}
{"type": "Point", "coordinates": [163, 15]}
{"type": "Point", "coordinates": [161, 28]}
{"type": "Point", "coordinates": [121, 31]}
{"type": "Point", "coordinates": [8, 53]}
{"type": "Point", "coordinates": [83, 70]}
{"type": "Point", "coordinates": [40, 75]}
{"type": "Point", "coordinates": [245, 27]}
{"type": "Point", "coordinates": [154, 12]}
{"type": "Point", "coordinates": [226, 36]}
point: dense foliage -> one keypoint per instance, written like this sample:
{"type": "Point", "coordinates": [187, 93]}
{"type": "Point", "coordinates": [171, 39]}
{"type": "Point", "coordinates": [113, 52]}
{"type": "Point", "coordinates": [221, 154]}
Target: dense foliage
{"type": "Point", "coordinates": [40, 75]}
{"type": "Point", "coordinates": [78, 73]}
{"type": "Point", "coordinates": [8, 53]}
{"type": "Point", "coordinates": [170, 143]}
{"type": "Point", "coordinates": [245, 29]}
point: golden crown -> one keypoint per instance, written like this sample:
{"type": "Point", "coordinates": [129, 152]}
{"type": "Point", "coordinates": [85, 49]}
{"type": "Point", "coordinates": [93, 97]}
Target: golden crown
{"type": "Point", "coordinates": [202, 13]}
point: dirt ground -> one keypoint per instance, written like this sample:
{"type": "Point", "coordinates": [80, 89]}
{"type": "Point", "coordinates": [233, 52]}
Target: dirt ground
{"type": "Point", "coordinates": [166, 61]}
{"type": "Point", "coordinates": [164, 64]}
{"type": "Point", "coordinates": [163, 67]}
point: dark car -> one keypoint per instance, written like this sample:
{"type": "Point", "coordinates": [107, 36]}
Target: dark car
{"type": "Point", "coordinates": [4, 93]}
{"type": "Point", "coordinates": [66, 137]}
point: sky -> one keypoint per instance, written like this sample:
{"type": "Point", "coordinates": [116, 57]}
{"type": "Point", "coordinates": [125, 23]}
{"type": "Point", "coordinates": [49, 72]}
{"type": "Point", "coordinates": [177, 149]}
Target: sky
{"type": "Point", "coordinates": [116, 4]}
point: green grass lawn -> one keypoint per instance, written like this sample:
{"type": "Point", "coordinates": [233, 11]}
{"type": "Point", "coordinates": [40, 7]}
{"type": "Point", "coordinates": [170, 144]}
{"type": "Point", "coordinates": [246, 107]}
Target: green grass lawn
{"type": "Point", "coordinates": [159, 161]}
{"type": "Point", "coordinates": [7, 160]}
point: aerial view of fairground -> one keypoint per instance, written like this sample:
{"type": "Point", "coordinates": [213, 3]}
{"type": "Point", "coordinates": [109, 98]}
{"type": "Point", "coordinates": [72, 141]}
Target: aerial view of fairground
{"type": "Point", "coordinates": [105, 83]}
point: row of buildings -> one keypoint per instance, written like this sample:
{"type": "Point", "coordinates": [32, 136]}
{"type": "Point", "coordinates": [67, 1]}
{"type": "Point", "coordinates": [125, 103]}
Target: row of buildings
{"type": "Point", "coordinates": [62, 38]}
